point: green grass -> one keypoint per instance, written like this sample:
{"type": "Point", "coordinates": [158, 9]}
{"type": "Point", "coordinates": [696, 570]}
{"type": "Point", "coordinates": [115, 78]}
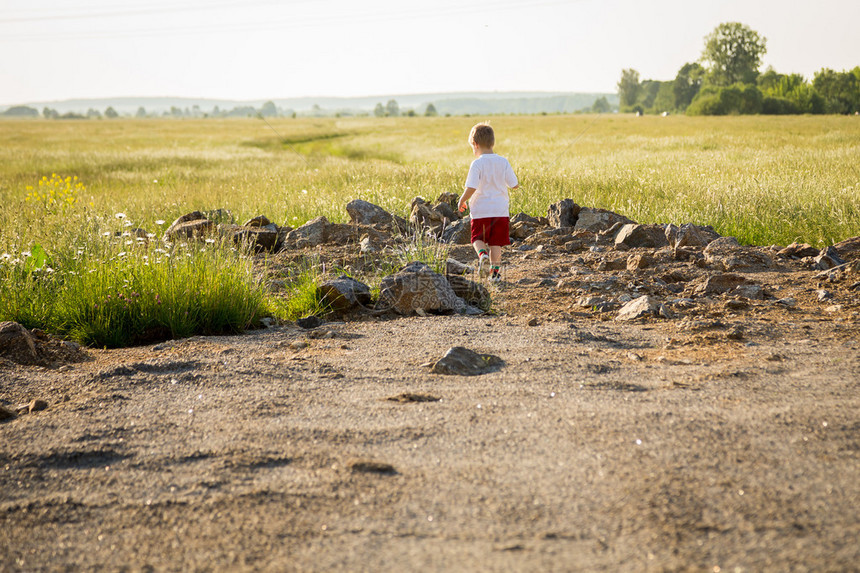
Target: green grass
{"type": "Point", "coordinates": [764, 180]}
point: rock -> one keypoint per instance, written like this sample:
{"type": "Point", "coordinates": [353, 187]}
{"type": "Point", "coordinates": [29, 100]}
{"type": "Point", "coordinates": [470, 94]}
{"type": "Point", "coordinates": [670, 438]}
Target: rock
{"type": "Point", "coordinates": [689, 235]}
{"type": "Point", "coordinates": [415, 287]}
{"type": "Point", "coordinates": [787, 302]}
{"type": "Point", "coordinates": [455, 267]}
{"type": "Point", "coordinates": [828, 258]}
{"type": "Point", "coordinates": [638, 262]}
{"type": "Point", "coordinates": [299, 344]}
{"type": "Point", "coordinates": [447, 212]}
{"type": "Point", "coordinates": [343, 293]}
{"type": "Point", "coordinates": [311, 234]}
{"type": "Point", "coordinates": [256, 237]}
{"type": "Point", "coordinates": [36, 406]}
{"type": "Point", "coordinates": [824, 295]}
{"type": "Point", "coordinates": [282, 237]}
{"type": "Point", "coordinates": [563, 214]}
{"type": "Point", "coordinates": [459, 232]}
{"type": "Point", "coordinates": [367, 246]}
{"type": "Point", "coordinates": [424, 217]}
{"type": "Point", "coordinates": [6, 414]}
{"type": "Point", "coordinates": [413, 397]}
{"type": "Point", "coordinates": [728, 254]}
{"type": "Point", "coordinates": [370, 467]}
{"type": "Point", "coordinates": [641, 236]}
{"type": "Point", "coordinates": [719, 283]}
{"type": "Point", "coordinates": [460, 361]}
{"type": "Point", "coordinates": [523, 229]}
{"type": "Point", "coordinates": [596, 220]}
{"type": "Point", "coordinates": [798, 250]}
{"type": "Point", "coordinates": [365, 213]}
{"type": "Point", "coordinates": [533, 322]}
{"type": "Point", "coordinates": [190, 229]}
{"type": "Point", "coordinates": [849, 249]}
{"type": "Point", "coordinates": [449, 198]}
{"type": "Point", "coordinates": [17, 344]}
{"type": "Point", "coordinates": [192, 216]}
{"type": "Point", "coordinates": [309, 322]}
{"type": "Point", "coordinates": [523, 218]}
{"type": "Point", "coordinates": [749, 292]}
{"type": "Point", "coordinates": [642, 307]}
{"type": "Point", "coordinates": [258, 221]}
{"type": "Point", "coordinates": [473, 293]}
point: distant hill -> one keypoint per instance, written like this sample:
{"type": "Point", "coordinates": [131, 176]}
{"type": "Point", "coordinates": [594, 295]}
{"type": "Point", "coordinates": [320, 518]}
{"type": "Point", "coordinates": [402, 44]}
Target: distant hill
{"type": "Point", "coordinates": [446, 103]}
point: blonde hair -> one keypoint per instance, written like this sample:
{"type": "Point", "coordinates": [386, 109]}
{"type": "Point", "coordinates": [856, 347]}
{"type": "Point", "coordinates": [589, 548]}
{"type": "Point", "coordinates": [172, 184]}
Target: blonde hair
{"type": "Point", "coordinates": [482, 135]}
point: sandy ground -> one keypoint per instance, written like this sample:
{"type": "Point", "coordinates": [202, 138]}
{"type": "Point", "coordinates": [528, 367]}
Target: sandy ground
{"type": "Point", "coordinates": [716, 441]}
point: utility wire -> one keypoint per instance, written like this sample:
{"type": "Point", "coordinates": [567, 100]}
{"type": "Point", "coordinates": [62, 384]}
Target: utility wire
{"type": "Point", "coordinates": [284, 140]}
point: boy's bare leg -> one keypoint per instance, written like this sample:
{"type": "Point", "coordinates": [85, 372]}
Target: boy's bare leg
{"type": "Point", "coordinates": [480, 246]}
{"type": "Point", "coordinates": [495, 255]}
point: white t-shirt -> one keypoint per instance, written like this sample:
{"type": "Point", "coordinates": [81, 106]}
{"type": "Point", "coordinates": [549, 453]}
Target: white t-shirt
{"type": "Point", "coordinates": [490, 175]}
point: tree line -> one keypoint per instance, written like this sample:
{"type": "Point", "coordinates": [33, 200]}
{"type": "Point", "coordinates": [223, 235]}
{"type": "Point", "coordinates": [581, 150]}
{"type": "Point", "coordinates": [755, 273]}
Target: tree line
{"type": "Point", "coordinates": [726, 80]}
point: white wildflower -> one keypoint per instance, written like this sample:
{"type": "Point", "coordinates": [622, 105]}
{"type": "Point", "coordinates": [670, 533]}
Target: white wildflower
{"type": "Point", "coordinates": [120, 215]}
{"type": "Point", "coordinates": [160, 222]}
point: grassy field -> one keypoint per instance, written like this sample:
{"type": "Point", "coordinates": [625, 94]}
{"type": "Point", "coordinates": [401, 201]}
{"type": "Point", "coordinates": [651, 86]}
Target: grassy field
{"type": "Point", "coordinates": [765, 180]}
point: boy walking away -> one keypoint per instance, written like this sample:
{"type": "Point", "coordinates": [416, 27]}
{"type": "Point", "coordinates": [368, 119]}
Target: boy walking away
{"type": "Point", "coordinates": [490, 176]}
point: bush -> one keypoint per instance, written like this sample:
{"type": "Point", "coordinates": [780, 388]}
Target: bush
{"type": "Point", "coordinates": [779, 106]}
{"type": "Point", "coordinates": [738, 99]}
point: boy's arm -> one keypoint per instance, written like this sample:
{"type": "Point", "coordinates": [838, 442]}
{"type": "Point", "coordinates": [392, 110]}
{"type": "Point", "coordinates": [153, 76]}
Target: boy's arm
{"type": "Point", "coordinates": [464, 198]}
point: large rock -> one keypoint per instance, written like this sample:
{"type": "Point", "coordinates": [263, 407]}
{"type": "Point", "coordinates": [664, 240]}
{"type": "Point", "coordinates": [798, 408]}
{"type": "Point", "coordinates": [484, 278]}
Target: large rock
{"type": "Point", "coordinates": [423, 217]}
{"type": "Point", "coordinates": [828, 258]}
{"type": "Point", "coordinates": [258, 221]}
{"type": "Point", "coordinates": [416, 287]}
{"type": "Point", "coordinates": [849, 249]}
{"type": "Point", "coordinates": [311, 234]}
{"type": "Point", "coordinates": [258, 238]}
{"type": "Point", "coordinates": [366, 213]}
{"type": "Point", "coordinates": [192, 216]}
{"type": "Point", "coordinates": [343, 293]}
{"type": "Point", "coordinates": [727, 254]}
{"type": "Point", "coordinates": [596, 220]}
{"type": "Point", "coordinates": [798, 250]}
{"type": "Point", "coordinates": [17, 344]}
{"type": "Point", "coordinates": [719, 283]}
{"type": "Point", "coordinates": [647, 236]}
{"type": "Point", "coordinates": [641, 307]}
{"type": "Point", "coordinates": [191, 229]}
{"type": "Point", "coordinates": [690, 235]}
{"type": "Point", "coordinates": [473, 293]}
{"type": "Point", "coordinates": [458, 232]}
{"type": "Point", "coordinates": [460, 361]}
{"type": "Point", "coordinates": [563, 214]}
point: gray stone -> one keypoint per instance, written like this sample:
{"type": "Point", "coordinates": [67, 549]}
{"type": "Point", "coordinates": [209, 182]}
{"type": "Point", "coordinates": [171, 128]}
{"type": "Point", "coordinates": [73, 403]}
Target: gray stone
{"type": "Point", "coordinates": [849, 249]}
{"type": "Point", "coordinates": [416, 287]}
{"type": "Point", "coordinates": [258, 238]}
{"type": "Point", "coordinates": [749, 292]}
{"type": "Point", "coordinates": [17, 344]}
{"type": "Point", "coordinates": [311, 234]}
{"type": "Point", "coordinates": [828, 258]}
{"type": "Point", "coordinates": [458, 232]}
{"type": "Point", "coordinates": [641, 236]}
{"type": "Point", "coordinates": [367, 246]}
{"type": "Point", "coordinates": [798, 250]}
{"type": "Point", "coordinates": [689, 235]}
{"type": "Point", "coordinates": [460, 361]}
{"type": "Point", "coordinates": [523, 218]}
{"type": "Point", "coordinates": [309, 322]}
{"type": "Point", "coordinates": [343, 293]}
{"type": "Point", "coordinates": [596, 220]}
{"type": "Point", "coordinates": [366, 213]}
{"type": "Point", "coordinates": [473, 293]}
{"type": "Point", "coordinates": [258, 221]}
{"type": "Point", "coordinates": [455, 267]}
{"type": "Point", "coordinates": [192, 216]}
{"type": "Point", "coordinates": [6, 414]}
{"type": "Point", "coordinates": [190, 229]}
{"type": "Point", "coordinates": [563, 214]}
{"type": "Point", "coordinates": [641, 307]}
{"type": "Point", "coordinates": [719, 283]}
{"type": "Point", "coordinates": [424, 217]}
{"type": "Point", "coordinates": [726, 253]}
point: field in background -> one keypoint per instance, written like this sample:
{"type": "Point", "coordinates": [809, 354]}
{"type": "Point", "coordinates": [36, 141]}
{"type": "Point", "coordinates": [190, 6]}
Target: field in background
{"type": "Point", "coordinates": [765, 180]}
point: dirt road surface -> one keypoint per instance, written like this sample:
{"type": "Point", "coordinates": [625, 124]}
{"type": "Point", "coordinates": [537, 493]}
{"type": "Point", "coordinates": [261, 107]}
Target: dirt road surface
{"type": "Point", "coordinates": [599, 446]}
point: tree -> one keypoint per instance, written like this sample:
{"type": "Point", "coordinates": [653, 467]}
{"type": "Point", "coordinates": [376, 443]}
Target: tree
{"type": "Point", "coordinates": [269, 109]}
{"type": "Point", "coordinates": [629, 88]}
{"type": "Point", "coordinates": [687, 84]}
{"type": "Point", "coordinates": [379, 111]}
{"type": "Point", "coordinates": [431, 110]}
{"type": "Point", "coordinates": [840, 90]}
{"type": "Point", "coordinates": [665, 99]}
{"type": "Point", "coordinates": [111, 113]}
{"type": "Point", "coordinates": [392, 109]}
{"type": "Point", "coordinates": [601, 105]}
{"type": "Point", "coordinates": [49, 113]}
{"type": "Point", "coordinates": [21, 111]}
{"type": "Point", "coordinates": [141, 112]}
{"type": "Point", "coordinates": [734, 53]}
{"type": "Point", "coordinates": [94, 114]}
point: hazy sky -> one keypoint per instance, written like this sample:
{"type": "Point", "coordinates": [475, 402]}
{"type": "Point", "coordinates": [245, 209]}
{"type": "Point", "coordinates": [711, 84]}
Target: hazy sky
{"type": "Point", "coordinates": [256, 49]}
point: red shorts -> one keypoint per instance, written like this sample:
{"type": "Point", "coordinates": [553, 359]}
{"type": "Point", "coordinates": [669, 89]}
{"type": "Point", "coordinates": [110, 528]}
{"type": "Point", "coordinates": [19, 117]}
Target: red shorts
{"type": "Point", "coordinates": [494, 231]}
